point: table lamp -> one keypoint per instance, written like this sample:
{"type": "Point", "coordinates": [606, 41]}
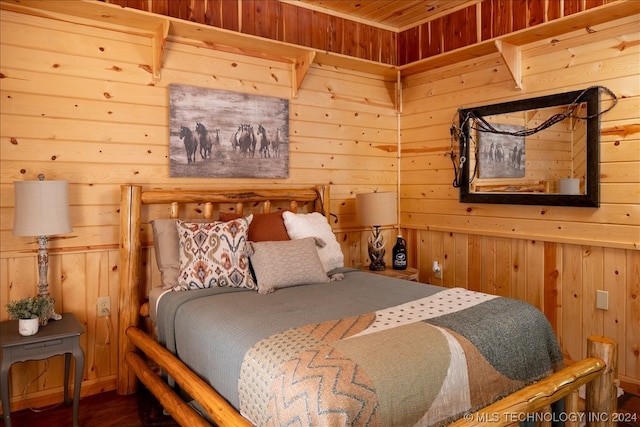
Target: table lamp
{"type": "Point", "coordinates": [375, 210]}
{"type": "Point", "coordinates": [42, 210]}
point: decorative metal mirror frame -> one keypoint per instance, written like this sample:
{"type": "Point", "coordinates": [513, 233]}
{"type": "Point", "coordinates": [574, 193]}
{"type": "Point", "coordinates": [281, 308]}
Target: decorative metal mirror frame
{"type": "Point", "coordinates": [592, 196]}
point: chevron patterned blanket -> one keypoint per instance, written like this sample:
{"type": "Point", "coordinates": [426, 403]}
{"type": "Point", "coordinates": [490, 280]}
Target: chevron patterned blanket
{"type": "Point", "coordinates": [423, 362]}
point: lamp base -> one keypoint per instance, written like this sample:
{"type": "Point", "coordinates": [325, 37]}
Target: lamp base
{"type": "Point", "coordinates": [51, 314]}
{"type": "Point", "coordinates": [43, 286]}
{"type": "Point", "coordinates": [376, 250]}
{"type": "Point", "coordinates": [377, 266]}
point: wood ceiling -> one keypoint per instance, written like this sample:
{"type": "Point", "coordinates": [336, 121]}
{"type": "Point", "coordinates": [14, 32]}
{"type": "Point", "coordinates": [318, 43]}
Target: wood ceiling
{"type": "Point", "coordinates": [397, 15]}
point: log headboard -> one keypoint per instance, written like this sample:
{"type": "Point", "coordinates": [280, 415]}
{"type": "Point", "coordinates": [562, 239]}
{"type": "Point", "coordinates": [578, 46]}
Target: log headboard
{"type": "Point", "coordinates": [133, 197]}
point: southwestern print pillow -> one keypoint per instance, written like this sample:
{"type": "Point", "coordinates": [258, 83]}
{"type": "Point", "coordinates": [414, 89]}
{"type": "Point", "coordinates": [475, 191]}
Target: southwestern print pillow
{"type": "Point", "coordinates": [214, 254]}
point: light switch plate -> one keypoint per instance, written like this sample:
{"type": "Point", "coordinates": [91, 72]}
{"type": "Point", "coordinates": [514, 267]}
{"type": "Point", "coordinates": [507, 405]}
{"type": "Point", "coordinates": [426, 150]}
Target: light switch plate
{"type": "Point", "coordinates": [602, 300]}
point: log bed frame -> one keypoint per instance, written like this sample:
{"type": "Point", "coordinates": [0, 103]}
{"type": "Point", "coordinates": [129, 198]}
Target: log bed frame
{"type": "Point", "coordinates": [598, 371]}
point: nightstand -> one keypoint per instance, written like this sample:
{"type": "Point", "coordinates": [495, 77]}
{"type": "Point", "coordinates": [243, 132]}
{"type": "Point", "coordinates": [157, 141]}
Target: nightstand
{"type": "Point", "coordinates": [408, 274]}
{"type": "Point", "coordinates": [56, 338]}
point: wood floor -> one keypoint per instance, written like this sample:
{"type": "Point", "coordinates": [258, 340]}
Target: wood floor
{"type": "Point", "coordinates": [101, 410]}
{"type": "Point", "coordinates": [142, 410]}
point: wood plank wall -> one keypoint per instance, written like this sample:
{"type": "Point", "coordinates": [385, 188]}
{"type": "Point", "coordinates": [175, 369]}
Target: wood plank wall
{"type": "Point", "coordinates": [553, 257]}
{"type": "Point", "coordinates": [76, 106]}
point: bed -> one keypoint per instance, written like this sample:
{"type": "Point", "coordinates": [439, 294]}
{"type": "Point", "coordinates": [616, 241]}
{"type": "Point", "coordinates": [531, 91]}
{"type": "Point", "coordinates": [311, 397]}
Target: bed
{"type": "Point", "coordinates": [295, 338]}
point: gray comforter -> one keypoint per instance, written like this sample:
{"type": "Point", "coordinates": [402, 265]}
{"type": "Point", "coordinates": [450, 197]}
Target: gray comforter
{"type": "Point", "coordinates": [222, 334]}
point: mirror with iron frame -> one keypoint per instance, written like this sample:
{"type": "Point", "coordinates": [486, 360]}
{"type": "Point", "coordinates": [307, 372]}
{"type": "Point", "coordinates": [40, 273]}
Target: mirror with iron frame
{"type": "Point", "coordinates": [536, 151]}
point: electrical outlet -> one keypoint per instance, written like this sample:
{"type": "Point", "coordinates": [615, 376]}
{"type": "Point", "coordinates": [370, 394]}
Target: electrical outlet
{"type": "Point", "coordinates": [437, 270]}
{"type": "Point", "coordinates": [104, 306]}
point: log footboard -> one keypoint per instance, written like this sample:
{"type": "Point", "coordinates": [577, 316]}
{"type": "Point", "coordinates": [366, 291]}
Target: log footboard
{"type": "Point", "coordinates": [536, 397]}
{"type": "Point", "coordinates": [215, 405]}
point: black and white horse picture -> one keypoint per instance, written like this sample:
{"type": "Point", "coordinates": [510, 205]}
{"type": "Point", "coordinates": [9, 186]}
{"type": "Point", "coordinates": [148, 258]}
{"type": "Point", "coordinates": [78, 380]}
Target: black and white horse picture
{"type": "Point", "coordinates": [235, 135]}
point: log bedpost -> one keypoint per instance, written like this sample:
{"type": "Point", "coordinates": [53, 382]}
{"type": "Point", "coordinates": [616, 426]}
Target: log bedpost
{"type": "Point", "coordinates": [129, 282]}
{"type": "Point", "coordinates": [571, 406]}
{"type": "Point", "coordinates": [322, 204]}
{"type": "Point", "coordinates": [602, 392]}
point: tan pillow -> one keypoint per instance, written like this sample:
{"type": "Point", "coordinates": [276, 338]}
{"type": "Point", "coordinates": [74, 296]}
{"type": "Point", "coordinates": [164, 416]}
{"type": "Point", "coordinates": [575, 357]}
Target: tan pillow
{"type": "Point", "coordinates": [166, 245]}
{"type": "Point", "coordinates": [280, 264]}
{"type": "Point", "coordinates": [264, 227]}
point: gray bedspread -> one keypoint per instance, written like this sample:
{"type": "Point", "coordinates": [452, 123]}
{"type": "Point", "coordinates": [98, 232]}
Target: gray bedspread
{"type": "Point", "coordinates": [219, 333]}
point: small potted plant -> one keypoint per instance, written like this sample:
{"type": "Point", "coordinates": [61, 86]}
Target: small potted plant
{"type": "Point", "coordinates": [28, 311]}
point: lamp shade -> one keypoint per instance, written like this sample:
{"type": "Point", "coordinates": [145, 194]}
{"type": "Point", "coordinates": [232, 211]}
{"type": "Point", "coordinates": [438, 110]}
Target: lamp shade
{"type": "Point", "coordinates": [376, 209]}
{"type": "Point", "coordinates": [42, 208]}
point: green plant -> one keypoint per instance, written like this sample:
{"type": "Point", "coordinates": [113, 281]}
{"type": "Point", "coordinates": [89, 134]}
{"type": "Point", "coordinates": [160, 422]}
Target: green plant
{"type": "Point", "coordinates": [29, 308]}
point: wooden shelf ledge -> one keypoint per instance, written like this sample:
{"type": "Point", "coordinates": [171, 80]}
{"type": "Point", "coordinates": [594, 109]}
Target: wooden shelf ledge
{"type": "Point", "coordinates": [158, 28]}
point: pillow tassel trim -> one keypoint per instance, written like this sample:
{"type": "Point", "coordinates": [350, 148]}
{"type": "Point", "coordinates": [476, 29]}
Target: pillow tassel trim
{"type": "Point", "coordinates": [336, 277]}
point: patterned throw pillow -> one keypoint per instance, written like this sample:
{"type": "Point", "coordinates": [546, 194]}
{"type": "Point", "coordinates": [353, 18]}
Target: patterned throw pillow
{"type": "Point", "coordinates": [214, 254]}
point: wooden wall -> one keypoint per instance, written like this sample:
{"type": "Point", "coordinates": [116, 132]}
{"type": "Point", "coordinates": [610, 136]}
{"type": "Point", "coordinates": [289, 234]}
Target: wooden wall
{"type": "Point", "coordinates": [76, 106]}
{"type": "Point", "coordinates": [554, 257]}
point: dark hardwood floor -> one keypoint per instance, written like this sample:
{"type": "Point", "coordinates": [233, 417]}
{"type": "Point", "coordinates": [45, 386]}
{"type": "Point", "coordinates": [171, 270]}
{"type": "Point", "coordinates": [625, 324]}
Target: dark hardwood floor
{"type": "Point", "coordinates": [143, 410]}
{"type": "Point", "coordinates": [101, 410]}
{"type": "Point", "coordinates": [629, 409]}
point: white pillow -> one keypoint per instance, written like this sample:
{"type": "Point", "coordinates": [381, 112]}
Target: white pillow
{"type": "Point", "coordinates": [315, 224]}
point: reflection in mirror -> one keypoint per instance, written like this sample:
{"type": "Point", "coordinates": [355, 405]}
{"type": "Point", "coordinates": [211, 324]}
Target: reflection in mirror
{"type": "Point", "coordinates": [550, 161]}
{"type": "Point", "coordinates": [542, 151]}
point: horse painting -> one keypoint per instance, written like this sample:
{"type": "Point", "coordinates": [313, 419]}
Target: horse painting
{"type": "Point", "coordinates": [264, 142]}
{"type": "Point", "coordinates": [232, 134]}
{"type": "Point", "coordinates": [190, 143]}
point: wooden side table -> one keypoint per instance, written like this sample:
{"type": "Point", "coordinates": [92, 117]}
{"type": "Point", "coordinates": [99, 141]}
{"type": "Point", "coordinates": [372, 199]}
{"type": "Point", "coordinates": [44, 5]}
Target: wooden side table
{"type": "Point", "coordinates": [56, 338]}
{"type": "Point", "coordinates": [408, 274]}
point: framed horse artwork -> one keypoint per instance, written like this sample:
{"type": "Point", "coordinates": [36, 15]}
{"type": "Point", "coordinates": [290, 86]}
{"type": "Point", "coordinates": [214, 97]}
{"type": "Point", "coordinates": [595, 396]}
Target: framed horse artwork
{"type": "Point", "coordinates": [222, 134]}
